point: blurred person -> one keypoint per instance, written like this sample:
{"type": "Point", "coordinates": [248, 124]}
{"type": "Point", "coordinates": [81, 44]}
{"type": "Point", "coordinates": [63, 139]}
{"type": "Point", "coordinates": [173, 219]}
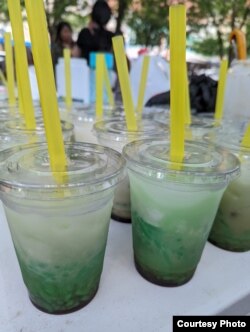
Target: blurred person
{"type": "Point", "coordinates": [95, 37]}
{"type": "Point", "coordinates": [63, 39]}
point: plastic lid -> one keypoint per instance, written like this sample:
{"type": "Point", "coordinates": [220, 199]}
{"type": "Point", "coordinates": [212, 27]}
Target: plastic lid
{"type": "Point", "coordinates": [91, 169]}
{"type": "Point", "coordinates": [18, 126]}
{"type": "Point", "coordinates": [8, 139]}
{"type": "Point", "coordinates": [197, 122]}
{"type": "Point", "coordinates": [116, 129]}
{"type": "Point", "coordinates": [8, 112]}
{"type": "Point", "coordinates": [202, 164]}
{"type": "Point", "coordinates": [228, 140]}
{"type": "Point", "coordinates": [87, 113]}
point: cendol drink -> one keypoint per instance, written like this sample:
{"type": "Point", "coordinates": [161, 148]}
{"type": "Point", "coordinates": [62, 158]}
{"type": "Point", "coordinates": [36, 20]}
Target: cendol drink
{"type": "Point", "coordinates": [59, 221]}
{"type": "Point", "coordinates": [231, 230]}
{"type": "Point", "coordinates": [173, 205]}
{"type": "Point", "coordinates": [114, 134]}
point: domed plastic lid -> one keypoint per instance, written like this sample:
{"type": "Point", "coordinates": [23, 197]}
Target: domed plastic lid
{"type": "Point", "coordinates": [202, 164]}
{"type": "Point", "coordinates": [90, 169]}
{"type": "Point", "coordinates": [197, 121]}
{"type": "Point", "coordinates": [87, 113]}
{"type": "Point", "coordinates": [9, 139]}
{"type": "Point", "coordinates": [116, 129]}
{"type": "Point", "coordinates": [18, 126]}
{"type": "Point", "coordinates": [8, 112]}
{"type": "Point", "coordinates": [228, 140]}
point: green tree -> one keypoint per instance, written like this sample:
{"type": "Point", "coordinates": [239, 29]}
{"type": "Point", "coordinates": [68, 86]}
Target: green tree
{"type": "Point", "coordinates": [4, 15]}
{"type": "Point", "coordinates": [70, 10]}
{"type": "Point", "coordinates": [57, 10]}
{"type": "Point", "coordinates": [212, 21]}
{"type": "Point", "coordinates": [150, 24]}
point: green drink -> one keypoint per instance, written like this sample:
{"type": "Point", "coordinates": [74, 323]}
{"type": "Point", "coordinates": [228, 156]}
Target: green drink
{"type": "Point", "coordinates": [60, 230]}
{"type": "Point", "coordinates": [115, 134]}
{"type": "Point", "coordinates": [174, 205]}
{"type": "Point", "coordinates": [231, 230]}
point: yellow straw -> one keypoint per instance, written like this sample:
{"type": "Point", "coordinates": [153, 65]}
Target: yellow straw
{"type": "Point", "coordinates": [221, 90]}
{"type": "Point", "coordinates": [246, 138]}
{"type": "Point", "coordinates": [108, 86]}
{"type": "Point", "coordinates": [143, 83]}
{"type": "Point", "coordinates": [187, 101]}
{"type": "Point", "coordinates": [46, 83]}
{"type": "Point", "coordinates": [19, 90]}
{"type": "Point", "coordinates": [122, 68]}
{"type": "Point", "coordinates": [9, 69]}
{"type": "Point", "coordinates": [67, 70]}
{"type": "Point", "coordinates": [22, 62]}
{"type": "Point", "coordinates": [100, 61]}
{"type": "Point", "coordinates": [3, 79]}
{"type": "Point", "coordinates": [177, 80]}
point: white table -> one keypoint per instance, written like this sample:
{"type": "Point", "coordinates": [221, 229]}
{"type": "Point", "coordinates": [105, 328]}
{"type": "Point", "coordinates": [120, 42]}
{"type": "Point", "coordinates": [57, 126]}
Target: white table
{"type": "Point", "coordinates": [125, 301]}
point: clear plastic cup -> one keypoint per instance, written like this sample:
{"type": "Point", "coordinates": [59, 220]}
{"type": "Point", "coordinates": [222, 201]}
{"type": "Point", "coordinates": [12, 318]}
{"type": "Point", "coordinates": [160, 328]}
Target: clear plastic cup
{"type": "Point", "coordinates": [174, 205]}
{"type": "Point", "coordinates": [9, 139]}
{"type": "Point", "coordinates": [201, 126]}
{"type": "Point", "coordinates": [4, 104]}
{"type": "Point", "coordinates": [83, 118]}
{"type": "Point", "coordinates": [17, 127]}
{"type": "Point", "coordinates": [114, 134]}
{"type": "Point", "coordinates": [59, 228]}
{"type": "Point", "coordinates": [8, 112]}
{"type": "Point", "coordinates": [3, 94]}
{"type": "Point", "coordinates": [231, 229]}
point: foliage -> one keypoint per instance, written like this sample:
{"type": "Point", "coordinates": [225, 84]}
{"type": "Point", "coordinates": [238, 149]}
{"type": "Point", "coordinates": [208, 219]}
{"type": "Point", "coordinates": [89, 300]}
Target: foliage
{"type": "Point", "coordinates": [248, 37]}
{"type": "Point", "coordinates": [56, 10]}
{"type": "Point", "coordinates": [150, 24]}
{"type": "Point", "coordinates": [216, 19]}
{"type": "Point", "coordinates": [4, 17]}
{"type": "Point", "coordinates": [210, 23]}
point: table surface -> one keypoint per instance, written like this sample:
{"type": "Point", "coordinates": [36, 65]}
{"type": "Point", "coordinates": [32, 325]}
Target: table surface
{"type": "Point", "coordinates": [125, 301]}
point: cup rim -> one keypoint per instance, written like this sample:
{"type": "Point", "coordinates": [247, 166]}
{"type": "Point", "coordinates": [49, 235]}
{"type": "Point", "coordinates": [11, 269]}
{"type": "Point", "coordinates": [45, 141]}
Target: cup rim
{"type": "Point", "coordinates": [78, 181]}
{"type": "Point", "coordinates": [18, 125]}
{"type": "Point", "coordinates": [219, 165]}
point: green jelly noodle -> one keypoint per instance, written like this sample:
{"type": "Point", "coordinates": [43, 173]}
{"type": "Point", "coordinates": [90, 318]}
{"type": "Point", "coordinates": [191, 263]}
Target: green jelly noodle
{"type": "Point", "coordinates": [231, 230]}
{"type": "Point", "coordinates": [60, 230]}
{"type": "Point", "coordinates": [174, 206]}
{"type": "Point", "coordinates": [60, 251]}
{"type": "Point", "coordinates": [170, 228]}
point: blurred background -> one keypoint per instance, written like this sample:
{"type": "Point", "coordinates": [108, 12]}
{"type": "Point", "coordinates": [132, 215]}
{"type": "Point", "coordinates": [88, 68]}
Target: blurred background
{"type": "Point", "coordinates": [144, 23]}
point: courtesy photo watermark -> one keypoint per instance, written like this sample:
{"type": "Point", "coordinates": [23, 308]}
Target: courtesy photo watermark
{"type": "Point", "coordinates": [211, 323]}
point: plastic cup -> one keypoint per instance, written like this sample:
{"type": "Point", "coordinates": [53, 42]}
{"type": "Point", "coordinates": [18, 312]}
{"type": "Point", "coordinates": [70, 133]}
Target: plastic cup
{"type": "Point", "coordinates": [10, 139]}
{"type": "Point", "coordinates": [60, 230]}
{"type": "Point", "coordinates": [83, 118]}
{"type": "Point", "coordinates": [231, 229]}
{"type": "Point", "coordinates": [8, 112]}
{"type": "Point", "coordinates": [114, 134]}
{"type": "Point", "coordinates": [17, 126]}
{"type": "Point", "coordinates": [3, 95]}
{"type": "Point", "coordinates": [201, 126]}
{"type": "Point", "coordinates": [5, 104]}
{"type": "Point", "coordinates": [174, 205]}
